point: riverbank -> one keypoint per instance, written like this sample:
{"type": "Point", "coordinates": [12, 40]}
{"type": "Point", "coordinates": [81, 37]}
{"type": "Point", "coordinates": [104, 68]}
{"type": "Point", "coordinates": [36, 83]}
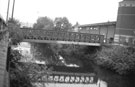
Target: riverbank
{"type": "Point", "coordinates": [114, 79]}
{"type": "Point", "coordinates": [117, 58]}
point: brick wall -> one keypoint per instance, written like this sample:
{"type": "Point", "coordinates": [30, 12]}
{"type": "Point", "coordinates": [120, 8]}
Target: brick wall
{"type": "Point", "coordinates": [3, 58]}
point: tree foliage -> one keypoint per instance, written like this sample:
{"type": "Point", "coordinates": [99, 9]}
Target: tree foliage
{"type": "Point", "coordinates": [19, 73]}
{"type": "Point", "coordinates": [14, 32]}
{"type": "Point", "coordinates": [47, 52]}
{"type": "Point", "coordinates": [62, 24]}
{"type": "Point", "coordinates": [117, 58]}
{"type": "Point", "coordinates": [18, 76]}
{"type": "Point", "coordinates": [43, 51]}
{"type": "Point", "coordinates": [75, 54]}
{"type": "Point", "coordinates": [50, 53]}
{"type": "Point", "coordinates": [44, 23]}
{"type": "Point", "coordinates": [24, 74]}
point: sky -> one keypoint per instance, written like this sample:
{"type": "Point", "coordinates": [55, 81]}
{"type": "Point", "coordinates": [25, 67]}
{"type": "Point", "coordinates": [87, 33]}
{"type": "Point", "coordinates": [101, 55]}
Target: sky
{"type": "Point", "coordinates": [81, 11]}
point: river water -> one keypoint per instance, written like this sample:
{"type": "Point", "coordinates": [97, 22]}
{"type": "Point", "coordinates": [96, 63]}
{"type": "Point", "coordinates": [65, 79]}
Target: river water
{"type": "Point", "coordinates": [106, 78]}
{"type": "Point", "coordinates": [114, 80]}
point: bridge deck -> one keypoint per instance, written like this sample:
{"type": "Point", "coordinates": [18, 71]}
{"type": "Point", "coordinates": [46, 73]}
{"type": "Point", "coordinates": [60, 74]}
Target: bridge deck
{"type": "Point", "coordinates": [62, 42]}
{"type": "Point", "coordinates": [61, 37]}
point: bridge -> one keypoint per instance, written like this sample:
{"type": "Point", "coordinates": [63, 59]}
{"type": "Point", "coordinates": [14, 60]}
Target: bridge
{"type": "Point", "coordinates": [64, 74]}
{"type": "Point", "coordinates": [61, 37]}
{"type": "Point", "coordinates": [96, 36]}
{"type": "Point", "coordinates": [62, 77]}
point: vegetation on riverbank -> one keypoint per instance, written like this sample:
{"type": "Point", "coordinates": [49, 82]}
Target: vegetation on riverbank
{"type": "Point", "coordinates": [19, 73]}
{"type": "Point", "coordinates": [23, 74]}
{"type": "Point", "coordinates": [117, 58]}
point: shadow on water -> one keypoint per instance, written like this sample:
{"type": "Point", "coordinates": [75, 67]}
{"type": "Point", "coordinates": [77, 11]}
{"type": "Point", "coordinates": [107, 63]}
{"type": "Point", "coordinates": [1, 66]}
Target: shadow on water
{"type": "Point", "coordinates": [113, 79]}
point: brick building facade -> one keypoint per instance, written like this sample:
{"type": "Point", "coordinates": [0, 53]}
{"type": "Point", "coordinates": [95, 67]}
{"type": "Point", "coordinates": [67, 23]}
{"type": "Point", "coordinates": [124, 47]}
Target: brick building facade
{"type": "Point", "coordinates": [125, 27]}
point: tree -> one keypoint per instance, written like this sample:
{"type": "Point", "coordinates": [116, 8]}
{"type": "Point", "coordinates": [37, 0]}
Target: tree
{"type": "Point", "coordinates": [14, 31]}
{"type": "Point", "coordinates": [117, 58]}
{"type": "Point", "coordinates": [23, 74]}
{"type": "Point", "coordinates": [19, 72]}
{"type": "Point", "coordinates": [50, 52]}
{"type": "Point", "coordinates": [44, 23]}
{"type": "Point", "coordinates": [17, 76]}
{"type": "Point", "coordinates": [43, 51]}
{"type": "Point", "coordinates": [62, 24]}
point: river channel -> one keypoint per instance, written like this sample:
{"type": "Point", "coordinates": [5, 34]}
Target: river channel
{"type": "Point", "coordinates": [106, 78]}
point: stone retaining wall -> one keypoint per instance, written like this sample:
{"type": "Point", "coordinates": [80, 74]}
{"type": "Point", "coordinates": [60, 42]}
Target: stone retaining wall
{"type": "Point", "coordinates": [3, 58]}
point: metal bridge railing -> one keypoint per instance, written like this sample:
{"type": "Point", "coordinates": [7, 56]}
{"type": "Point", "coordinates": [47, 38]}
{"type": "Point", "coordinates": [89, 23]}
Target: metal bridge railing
{"type": "Point", "coordinates": [62, 36]}
{"type": "Point", "coordinates": [63, 77]}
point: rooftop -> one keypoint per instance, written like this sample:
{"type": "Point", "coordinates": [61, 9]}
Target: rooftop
{"type": "Point", "coordinates": [99, 24]}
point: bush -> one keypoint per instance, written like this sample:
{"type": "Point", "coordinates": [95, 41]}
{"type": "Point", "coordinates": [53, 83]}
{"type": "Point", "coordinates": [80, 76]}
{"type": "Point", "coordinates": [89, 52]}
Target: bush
{"type": "Point", "coordinates": [24, 74]}
{"type": "Point", "coordinates": [15, 34]}
{"type": "Point", "coordinates": [117, 58]}
{"type": "Point", "coordinates": [18, 75]}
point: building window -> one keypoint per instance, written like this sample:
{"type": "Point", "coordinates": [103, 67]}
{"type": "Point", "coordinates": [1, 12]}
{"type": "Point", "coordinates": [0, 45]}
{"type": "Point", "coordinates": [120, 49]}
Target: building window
{"type": "Point", "coordinates": [95, 28]}
{"type": "Point", "coordinates": [87, 28]}
{"type": "Point", "coordinates": [91, 28]}
{"type": "Point", "coordinates": [133, 41]}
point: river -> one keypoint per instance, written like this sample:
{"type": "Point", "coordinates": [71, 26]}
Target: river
{"type": "Point", "coordinates": [106, 78]}
{"type": "Point", "coordinates": [113, 79]}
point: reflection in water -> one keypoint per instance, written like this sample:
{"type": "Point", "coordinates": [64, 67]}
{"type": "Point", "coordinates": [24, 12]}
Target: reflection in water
{"type": "Point", "coordinates": [106, 77]}
{"type": "Point", "coordinates": [101, 83]}
{"type": "Point", "coordinates": [113, 79]}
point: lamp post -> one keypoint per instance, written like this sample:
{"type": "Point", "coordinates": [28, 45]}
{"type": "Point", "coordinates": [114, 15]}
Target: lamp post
{"type": "Point", "coordinates": [7, 10]}
{"type": "Point", "coordinates": [13, 9]}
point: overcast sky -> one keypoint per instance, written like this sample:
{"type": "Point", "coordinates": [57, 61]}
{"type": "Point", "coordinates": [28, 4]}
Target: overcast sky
{"type": "Point", "coordinates": [82, 11]}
